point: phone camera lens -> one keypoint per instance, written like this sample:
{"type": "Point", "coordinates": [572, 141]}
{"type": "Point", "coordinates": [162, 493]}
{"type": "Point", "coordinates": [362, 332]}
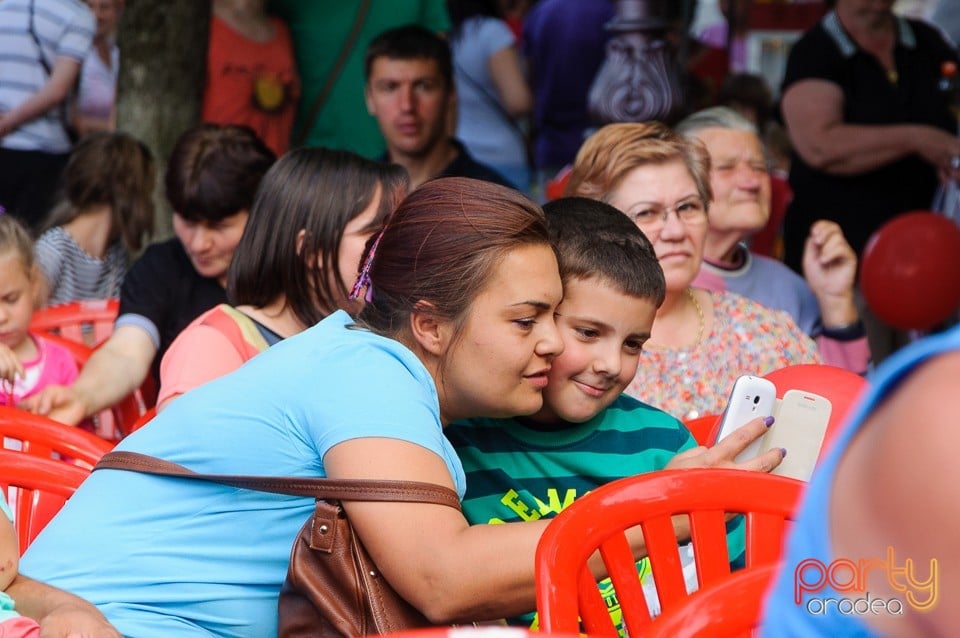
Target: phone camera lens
{"type": "Point", "coordinates": [756, 399]}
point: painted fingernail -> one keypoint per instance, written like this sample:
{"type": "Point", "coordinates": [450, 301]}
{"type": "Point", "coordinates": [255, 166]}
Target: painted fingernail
{"type": "Point", "coordinates": [768, 421]}
{"type": "Point", "coordinates": [783, 452]}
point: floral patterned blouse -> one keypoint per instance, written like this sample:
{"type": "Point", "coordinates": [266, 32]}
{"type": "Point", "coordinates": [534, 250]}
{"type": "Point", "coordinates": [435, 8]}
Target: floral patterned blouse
{"type": "Point", "coordinates": [746, 338]}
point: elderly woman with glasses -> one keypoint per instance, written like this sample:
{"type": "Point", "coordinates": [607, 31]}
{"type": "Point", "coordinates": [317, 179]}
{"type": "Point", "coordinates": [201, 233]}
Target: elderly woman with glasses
{"type": "Point", "coordinates": [701, 341]}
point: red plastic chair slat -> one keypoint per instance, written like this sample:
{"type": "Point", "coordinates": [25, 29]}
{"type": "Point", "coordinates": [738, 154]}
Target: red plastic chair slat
{"type": "Point", "coordinates": [650, 500]}
{"type": "Point", "coordinates": [36, 489]}
{"type": "Point", "coordinates": [89, 322]}
{"type": "Point", "coordinates": [729, 608]}
{"type": "Point", "coordinates": [43, 437]}
{"type": "Point", "coordinates": [709, 527]}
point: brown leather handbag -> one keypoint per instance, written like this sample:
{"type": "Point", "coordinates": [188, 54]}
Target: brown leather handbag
{"type": "Point", "coordinates": [333, 587]}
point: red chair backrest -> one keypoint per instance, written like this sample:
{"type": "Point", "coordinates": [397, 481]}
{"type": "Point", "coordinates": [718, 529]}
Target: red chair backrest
{"type": "Point", "coordinates": [840, 386]}
{"type": "Point", "coordinates": [43, 437]}
{"type": "Point", "coordinates": [469, 631]}
{"type": "Point", "coordinates": [117, 421]}
{"type": "Point", "coordinates": [36, 489]}
{"type": "Point", "coordinates": [702, 428]}
{"type": "Point", "coordinates": [732, 607]}
{"type": "Point", "coordinates": [566, 590]}
{"type": "Point", "coordinates": [89, 322]}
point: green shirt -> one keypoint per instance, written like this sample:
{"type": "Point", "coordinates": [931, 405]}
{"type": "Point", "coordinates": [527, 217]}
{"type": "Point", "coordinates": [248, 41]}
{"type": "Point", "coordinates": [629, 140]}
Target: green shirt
{"type": "Point", "coordinates": [516, 473]}
{"type": "Point", "coordinates": [319, 29]}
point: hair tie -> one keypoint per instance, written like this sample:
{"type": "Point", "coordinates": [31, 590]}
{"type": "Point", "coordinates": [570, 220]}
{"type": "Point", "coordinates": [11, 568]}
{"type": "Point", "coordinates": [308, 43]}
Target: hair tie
{"type": "Point", "coordinates": [363, 281]}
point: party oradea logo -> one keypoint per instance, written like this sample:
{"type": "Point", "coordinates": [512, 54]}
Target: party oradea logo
{"type": "Point", "coordinates": [848, 579]}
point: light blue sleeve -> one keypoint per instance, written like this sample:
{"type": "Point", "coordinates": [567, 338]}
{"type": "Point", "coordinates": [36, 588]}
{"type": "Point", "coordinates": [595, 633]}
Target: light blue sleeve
{"type": "Point", "coordinates": [78, 36]}
{"type": "Point", "coordinates": [495, 35]}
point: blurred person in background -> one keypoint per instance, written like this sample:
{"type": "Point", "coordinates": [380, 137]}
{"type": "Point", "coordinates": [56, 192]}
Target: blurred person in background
{"type": "Point", "coordinates": [43, 46]}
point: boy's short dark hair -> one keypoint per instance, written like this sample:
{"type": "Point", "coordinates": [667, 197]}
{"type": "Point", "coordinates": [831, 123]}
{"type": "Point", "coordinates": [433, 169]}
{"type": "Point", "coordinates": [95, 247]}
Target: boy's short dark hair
{"type": "Point", "coordinates": [411, 42]}
{"type": "Point", "coordinates": [594, 239]}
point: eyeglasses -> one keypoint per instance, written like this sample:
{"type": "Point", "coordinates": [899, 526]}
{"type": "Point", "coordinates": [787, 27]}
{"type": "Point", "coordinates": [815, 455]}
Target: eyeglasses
{"type": "Point", "coordinates": [653, 217]}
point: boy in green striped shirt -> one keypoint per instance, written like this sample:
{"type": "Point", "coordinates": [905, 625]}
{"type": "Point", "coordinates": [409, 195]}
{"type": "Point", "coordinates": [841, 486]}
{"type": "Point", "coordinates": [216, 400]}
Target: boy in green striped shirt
{"type": "Point", "coordinates": [587, 433]}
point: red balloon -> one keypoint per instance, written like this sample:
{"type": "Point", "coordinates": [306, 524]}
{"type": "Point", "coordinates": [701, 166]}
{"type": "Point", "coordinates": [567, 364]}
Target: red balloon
{"type": "Point", "coordinates": [910, 270]}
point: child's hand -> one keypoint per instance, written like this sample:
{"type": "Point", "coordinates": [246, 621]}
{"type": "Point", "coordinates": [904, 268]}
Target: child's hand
{"type": "Point", "coordinates": [58, 402]}
{"type": "Point", "coordinates": [723, 453]}
{"type": "Point", "coordinates": [10, 365]}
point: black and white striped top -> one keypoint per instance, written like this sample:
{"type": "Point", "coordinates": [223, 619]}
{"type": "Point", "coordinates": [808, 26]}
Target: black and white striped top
{"type": "Point", "coordinates": [74, 274]}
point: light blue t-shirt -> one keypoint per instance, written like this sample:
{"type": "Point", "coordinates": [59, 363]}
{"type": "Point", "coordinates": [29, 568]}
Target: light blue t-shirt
{"type": "Point", "coordinates": [483, 128]}
{"type": "Point", "coordinates": [172, 557]}
{"type": "Point", "coordinates": [810, 537]}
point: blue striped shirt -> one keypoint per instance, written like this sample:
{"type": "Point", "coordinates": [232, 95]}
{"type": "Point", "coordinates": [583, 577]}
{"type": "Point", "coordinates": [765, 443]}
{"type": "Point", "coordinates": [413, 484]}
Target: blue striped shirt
{"type": "Point", "coordinates": [63, 28]}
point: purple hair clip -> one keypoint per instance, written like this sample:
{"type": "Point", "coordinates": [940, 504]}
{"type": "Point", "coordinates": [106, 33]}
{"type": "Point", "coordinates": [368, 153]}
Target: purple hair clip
{"type": "Point", "coordinates": [363, 281]}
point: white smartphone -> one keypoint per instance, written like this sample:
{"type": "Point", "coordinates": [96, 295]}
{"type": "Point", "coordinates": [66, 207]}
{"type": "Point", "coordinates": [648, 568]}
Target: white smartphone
{"type": "Point", "coordinates": [751, 397]}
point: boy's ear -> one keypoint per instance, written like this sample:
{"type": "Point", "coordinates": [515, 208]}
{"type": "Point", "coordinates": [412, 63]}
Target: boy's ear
{"type": "Point", "coordinates": [429, 331]}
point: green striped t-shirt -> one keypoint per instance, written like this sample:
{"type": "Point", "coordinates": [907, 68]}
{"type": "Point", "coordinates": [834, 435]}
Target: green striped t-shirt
{"type": "Point", "coordinates": [518, 473]}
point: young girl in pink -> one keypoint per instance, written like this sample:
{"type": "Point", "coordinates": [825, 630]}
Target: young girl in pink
{"type": "Point", "coordinates": [28, 362]}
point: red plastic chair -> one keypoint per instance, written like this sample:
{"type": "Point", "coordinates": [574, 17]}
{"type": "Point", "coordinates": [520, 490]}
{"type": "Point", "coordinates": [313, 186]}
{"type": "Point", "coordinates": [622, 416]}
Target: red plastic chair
{"type": "Point", "coordinates": [567, 591]}
{"type": "Point", "coordinates": [36, 489]}
{"type": "Point", "coordinates": [469, 631]}
{"type": "Point", "coordinates": [702, 428]}
{"type": "Point", "coordinates": [43, 437]}
{"type": "Point", "coordinates": [732, 607]}
{"type": "Point", "coordinates": [840, 386]}
{"type": "Point", "coordinates": [557, 185]}
{"type": "Point", "coordinates": [89, 322]}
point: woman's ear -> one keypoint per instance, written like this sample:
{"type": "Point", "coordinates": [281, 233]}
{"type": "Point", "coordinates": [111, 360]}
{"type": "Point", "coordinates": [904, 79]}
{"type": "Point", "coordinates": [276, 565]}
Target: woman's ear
{"type": "Point", "coordinates": [430, 331]}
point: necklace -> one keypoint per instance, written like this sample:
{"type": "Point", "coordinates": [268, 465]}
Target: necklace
{"type": "Point", "coordinates": [696, 305]}
{"type": "Point", "coordinates": [700, 327]}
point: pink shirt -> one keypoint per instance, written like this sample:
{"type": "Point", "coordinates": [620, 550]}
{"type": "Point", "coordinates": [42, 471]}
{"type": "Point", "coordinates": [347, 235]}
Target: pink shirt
{"type": "Point", "coordinates": [746, 338]}
{"type": "Point", "coordinates": [53, 365]}
{"type": "Point", "coordinates": [217, 342]}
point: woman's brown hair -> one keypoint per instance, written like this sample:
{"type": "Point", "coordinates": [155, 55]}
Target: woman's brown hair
{"type": "Point", "coordinates": [440, 248]}
{"type": "Point", "coordinates": [110, 169]}
{"type": "Point", "coordinates": [304, 203]}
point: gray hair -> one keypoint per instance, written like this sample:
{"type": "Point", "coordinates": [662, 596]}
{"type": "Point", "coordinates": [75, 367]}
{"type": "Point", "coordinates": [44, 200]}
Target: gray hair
{"type": "Point", "coordinates": [714, 117]}
{"type": "Point", "coordinates": [718, 117]}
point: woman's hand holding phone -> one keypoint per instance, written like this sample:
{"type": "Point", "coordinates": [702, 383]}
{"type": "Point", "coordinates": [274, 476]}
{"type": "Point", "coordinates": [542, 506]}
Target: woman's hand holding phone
{"type": "Point", "coordinates": [723, 454]}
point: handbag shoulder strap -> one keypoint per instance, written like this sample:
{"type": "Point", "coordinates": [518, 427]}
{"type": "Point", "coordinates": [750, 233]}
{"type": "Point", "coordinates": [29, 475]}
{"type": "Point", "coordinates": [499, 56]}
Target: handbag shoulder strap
{"type": "Point", "coordinates": [490, 99]}
{"type": "Point", "coordinates": [325, 488]}
{"type": "Point", "coordinates": [334, 73]}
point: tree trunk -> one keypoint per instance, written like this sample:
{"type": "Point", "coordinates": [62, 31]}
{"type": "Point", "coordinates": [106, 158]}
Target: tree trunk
{"type": "Point", "coordinates": [163, 54]}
